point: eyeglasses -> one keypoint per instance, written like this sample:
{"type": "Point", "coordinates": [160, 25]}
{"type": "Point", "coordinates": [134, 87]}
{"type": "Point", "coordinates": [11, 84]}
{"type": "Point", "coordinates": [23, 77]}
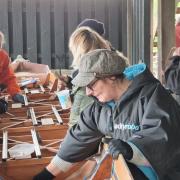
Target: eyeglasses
{"type": "Point", "coordinates": [90, 86]}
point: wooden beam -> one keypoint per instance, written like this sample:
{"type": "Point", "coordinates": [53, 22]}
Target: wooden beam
{"type": "Point", "coordinates": [25, 100]}
{"type": "Point", "coordinates": [5, 146]}
{"type": "Point", "coordinates": [42, 88]}
{"type": "Point", "coordinates": [36, 144]}
{"type": "Point", "coordinates": [58, 117]}
{"type": "Point", "coordinates": [166, 32]}
{"type": "Point", "coordinates": [33, 116]}
{"type": "Point", "coordinates": [54, 86]}
{"type": "Point", "coordinates": [121, 169]}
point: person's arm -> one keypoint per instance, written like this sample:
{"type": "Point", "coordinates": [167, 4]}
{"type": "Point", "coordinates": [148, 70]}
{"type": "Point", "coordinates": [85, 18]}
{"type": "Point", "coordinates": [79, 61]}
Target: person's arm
{"type": "Point", "coordinates": [81, 142]}
{"type": "Point", "coordinates": [54, 169]}
{"type": "Point", "coordinates": [51, 170]}
{"type": "Point", "coordinates": [83, 139]}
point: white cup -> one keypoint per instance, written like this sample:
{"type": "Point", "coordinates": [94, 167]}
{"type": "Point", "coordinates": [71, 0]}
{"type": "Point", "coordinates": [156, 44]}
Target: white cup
{"type": "Point", "coordinates": [64, 98]}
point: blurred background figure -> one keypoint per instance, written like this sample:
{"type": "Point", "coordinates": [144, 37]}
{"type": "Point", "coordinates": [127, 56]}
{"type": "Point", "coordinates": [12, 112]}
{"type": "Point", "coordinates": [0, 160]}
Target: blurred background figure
{"type": "Point", "coordinates": [172, 73]}
{"type": "Point", "coordinates": [7, 77]}
{"type": "Point", "coordinates": [177, 31]}
{"type": "Point", "coordinates": [87, 36]}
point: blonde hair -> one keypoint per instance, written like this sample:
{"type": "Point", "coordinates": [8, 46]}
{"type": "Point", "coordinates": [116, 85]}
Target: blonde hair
{"type": "Point", "coordinates": [84, 40]}
{"type": "Point", "coordinates": [2, 39]}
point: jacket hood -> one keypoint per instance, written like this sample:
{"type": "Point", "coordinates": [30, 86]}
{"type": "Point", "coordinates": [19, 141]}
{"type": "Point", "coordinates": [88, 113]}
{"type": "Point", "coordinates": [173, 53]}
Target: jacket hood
{"type": "Point", "coordinates": [140, 76]}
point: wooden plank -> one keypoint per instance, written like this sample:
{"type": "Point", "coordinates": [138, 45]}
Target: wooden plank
{"type": "Point", "coordinates": [45, 132]}
{"type": "Point", "coordinates": [33, 116]}
{"type": "Point", "coordinates": [59, 24]}
{"type": "Point", "coordinates": [17, 38]}
{"type": "Point", "coordinates": [54, 86]}
{"type": "Point", "coordinates": [57, 115]}
{"type": "Point", "coordinates": [3, 21]}
{"type": "Point", "coordinates": [104, 169]}
{"type": "Point", "coordinates": [45, 33]}
{"type": "Point", "coordinates": [31, 30]}
{"type": "Point", "coordinates": [25, 100]}
{"type": "Point", "coordinates": [46, 83]}
{"type": "Point", "coordinates": [121, 169]}
{"type": "Point", "coordinates": [166, 37]}
{"type": "Point", "coordinates": [31, 167]}
{"type": "Point", "coordinates": [36, 143]}
{"type": "Point", "coordinates": [5, 146]}
{"type": "Point", "coordinates": [42, 88]}
{"type": "Point", "coordinates": [26, 91]}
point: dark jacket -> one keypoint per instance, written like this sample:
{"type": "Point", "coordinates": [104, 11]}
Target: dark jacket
{"type": "Point", "coordinates": [146, 115]}
{"type": "Point", "coordinates": [172, 75]}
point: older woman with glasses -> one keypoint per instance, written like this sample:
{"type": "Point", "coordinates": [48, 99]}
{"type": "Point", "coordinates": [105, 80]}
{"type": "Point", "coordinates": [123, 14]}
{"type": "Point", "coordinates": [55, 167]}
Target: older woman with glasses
{"type": "Point", "coordinates": [133, 108]}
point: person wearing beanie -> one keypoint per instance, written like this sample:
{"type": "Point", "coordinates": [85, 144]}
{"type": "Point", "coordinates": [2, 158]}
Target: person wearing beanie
{"type": "Point", "coordinates": [82, 41]}
{"type": "Point", "coordinates": [93, 24]}
{"type": "Point", "coordinates": [98, 27]}
{"type": "Point", "coordinates": [7, 77]}
{"type": "Point", "coordinates": [87, 36]}
{"type": "Point", "coordinates": [131, 107]}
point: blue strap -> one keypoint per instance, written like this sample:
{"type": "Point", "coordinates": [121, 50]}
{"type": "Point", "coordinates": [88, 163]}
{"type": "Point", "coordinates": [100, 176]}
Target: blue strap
{"type": "Point", "coordinates": [132, 71]}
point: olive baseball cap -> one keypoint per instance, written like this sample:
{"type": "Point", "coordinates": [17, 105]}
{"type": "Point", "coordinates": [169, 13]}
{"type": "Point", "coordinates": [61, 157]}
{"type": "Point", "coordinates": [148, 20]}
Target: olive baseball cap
{"type": "Point", "coordinates": [99, 63]}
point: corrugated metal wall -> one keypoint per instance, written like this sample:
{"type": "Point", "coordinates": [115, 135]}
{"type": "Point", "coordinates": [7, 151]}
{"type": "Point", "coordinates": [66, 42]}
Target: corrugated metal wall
{"type": "Point", "coordinates": [141, 31]}
{"type": "Point", "coordinates": [39, 29]}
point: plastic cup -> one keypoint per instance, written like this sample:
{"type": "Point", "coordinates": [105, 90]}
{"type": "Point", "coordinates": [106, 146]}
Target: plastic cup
{"type": "Point", "coordinates": [64, 99]}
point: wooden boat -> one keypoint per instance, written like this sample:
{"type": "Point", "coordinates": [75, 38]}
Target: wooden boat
{"type": "Point", "coordinates": [47, 113]}
{"type": "Point", "coordinates": [46, 139]}
{"type": "Point", "coordinates": [13, 169]}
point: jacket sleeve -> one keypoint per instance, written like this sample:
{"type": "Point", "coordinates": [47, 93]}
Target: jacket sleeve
{"type": "Point", "coordinates": [82, 140]}
{"type": "Point", "coordinates": [81, 101]}
{"type": "Point", "coordinates": [7, 76]}
{"type": "Point", "coordinates": [172, 75]}
{"type": "Point", "coordinates": [158, 139]}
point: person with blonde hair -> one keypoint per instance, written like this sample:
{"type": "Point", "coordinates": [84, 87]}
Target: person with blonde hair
{"type": "Point", "coordinates": [7, 77]}
{"type": "Point", "coordinates": [82, 41]}
{"type": "Point", "coordinates": [97, 26]}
